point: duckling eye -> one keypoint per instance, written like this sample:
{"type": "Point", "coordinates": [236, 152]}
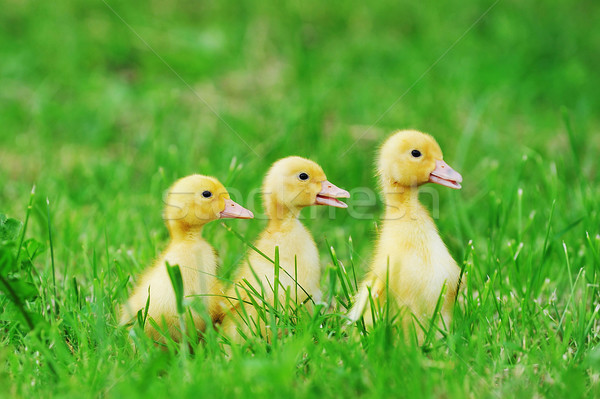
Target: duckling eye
{"type": "Point", "coordinates": [416, 153]}
{"type": "Point", "coordinates": [206, 194]}
{"type": "Point", "coordinates": [303, 176]}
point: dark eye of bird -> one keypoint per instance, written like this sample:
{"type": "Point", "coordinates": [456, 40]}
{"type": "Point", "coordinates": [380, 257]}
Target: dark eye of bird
{"type": "Point", "coordinates": [416, 153]}
{"type": "Point", "coordinates": [206, 194]}
{"type": "Point", "coordinates": [303, 176]}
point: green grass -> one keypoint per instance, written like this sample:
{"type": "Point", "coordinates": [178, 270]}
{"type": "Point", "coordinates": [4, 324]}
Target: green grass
{"type": "Point", "coordinates": [102, 126]}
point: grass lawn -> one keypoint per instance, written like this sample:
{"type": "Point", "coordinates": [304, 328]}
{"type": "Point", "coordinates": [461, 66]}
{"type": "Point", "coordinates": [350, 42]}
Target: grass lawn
{"type": "Point", "coordinates": [104, 104]}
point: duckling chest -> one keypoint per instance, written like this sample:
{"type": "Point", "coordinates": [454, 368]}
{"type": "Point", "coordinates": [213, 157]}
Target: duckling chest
{"type": "Point", "coordinates": [197, 262]}
{"type": "Point", "coordinates": [419, 262]}
{"type": "Point", "coordinates": [298, 255]}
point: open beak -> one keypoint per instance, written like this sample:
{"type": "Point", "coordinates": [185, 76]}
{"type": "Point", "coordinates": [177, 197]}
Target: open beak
{"type": "Point", "coordinates": [329, 194]}
{"type": "Point", "coordinates": [234, 210]}
{"type": "Point", "coordinates": [446, 176]}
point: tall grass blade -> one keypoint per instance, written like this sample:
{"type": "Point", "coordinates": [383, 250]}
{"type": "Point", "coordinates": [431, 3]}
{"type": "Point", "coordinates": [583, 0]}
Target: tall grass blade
{"type": "Point", "coordinates": [25, 224]}
{"type": "Point", "coordinates": [52, 256]}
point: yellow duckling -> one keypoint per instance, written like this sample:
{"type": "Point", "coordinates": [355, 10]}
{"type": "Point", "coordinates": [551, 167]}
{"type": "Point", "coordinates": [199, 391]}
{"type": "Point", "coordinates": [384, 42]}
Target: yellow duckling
{"type": "Point", "coordinates": [410, 254]}
{"type": "Point", "coordinates": [291, 184]}
{"type": "Point", "coordinates": [191, 202]}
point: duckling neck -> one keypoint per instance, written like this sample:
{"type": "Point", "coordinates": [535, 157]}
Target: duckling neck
{"type": "Point", "coordinates": [401, 201]}
{"type": "Point", "coordinates": [185, 233]}
{"type": "Point", "coordinates": [282, 217]}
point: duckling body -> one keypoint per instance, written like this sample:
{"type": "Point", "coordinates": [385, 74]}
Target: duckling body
{"type": "Point", "coordinates": [298, 259]}
{"type": "Point", "coordinates": [192, 202]}
{"type": "Point", "coordinates": [410, 254]}
{"type": "Point", "coordinates": [198, 264]}
{"type": "Point", "coordinates": [291, 184]}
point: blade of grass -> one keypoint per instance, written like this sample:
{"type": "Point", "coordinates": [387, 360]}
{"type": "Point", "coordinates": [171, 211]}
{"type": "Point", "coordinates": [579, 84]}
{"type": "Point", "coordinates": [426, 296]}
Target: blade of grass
{"type": "Point", "coordinates": [56, 309]}
{"type": "Point", "coordinates": [24, 231]}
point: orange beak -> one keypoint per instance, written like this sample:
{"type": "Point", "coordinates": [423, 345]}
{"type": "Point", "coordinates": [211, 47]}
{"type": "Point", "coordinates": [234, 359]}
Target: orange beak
{"type": "Point", "coordinates": [446, 176]}
{"type": "Point", "coordinates": [235, 211]}
{"type": "Point", "coordinates": [329, 194]}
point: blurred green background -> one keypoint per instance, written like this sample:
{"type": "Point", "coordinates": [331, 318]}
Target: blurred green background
{"type": "Point", "coordinates": [104, 104]}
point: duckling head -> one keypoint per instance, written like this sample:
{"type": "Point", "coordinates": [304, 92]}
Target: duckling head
{"type": "Point", "coordinates": [293, 183]}
{"type": "Point", "coordinates": [411, 158]}
{"type": "Point", "coordinates": [195, 200]}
